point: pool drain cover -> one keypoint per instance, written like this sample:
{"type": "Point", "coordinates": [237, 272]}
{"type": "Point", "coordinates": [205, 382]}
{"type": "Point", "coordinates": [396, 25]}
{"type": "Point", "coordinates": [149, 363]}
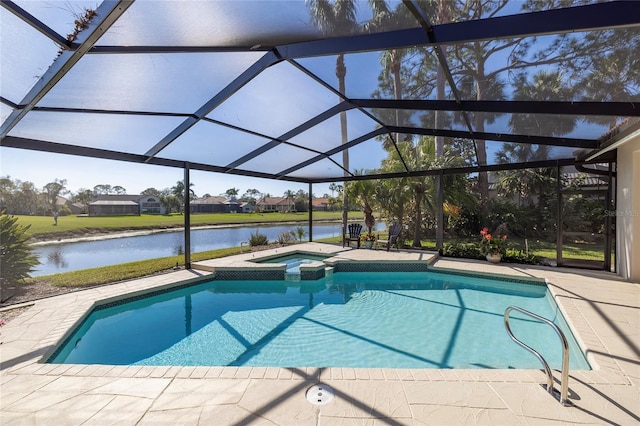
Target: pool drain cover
{"type": "Point", "coordinates": [319, 394]}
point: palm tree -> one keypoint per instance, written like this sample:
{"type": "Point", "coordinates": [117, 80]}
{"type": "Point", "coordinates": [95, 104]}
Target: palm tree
{"type": "Point", "coordinates": [337, 17]}
{"type": "Point", "coordinates": [178, 191]}
{"type": "Point", "coordinates": [391, 60]}
{"type": "Point", "coordinates": [419, 192]}
{"type": "Point", "coordinates": [525, 183]}
{"type": "Point", "coordinates": [363, 191]}
{"type": "Point", "coordinates": [333, 187]}
{"type": "Point", "coordinates": [416, 157]}
{"type": "Point", "coordinates": [393, 197]}
{"type": "Point", "coordinates": [290, 196]}
{"type": "Point", "coordinates": [610, 75]}
{"type": "Point", "coordinates": [232, 193]}
{"type": "Point", "coordinates": [544, 86]}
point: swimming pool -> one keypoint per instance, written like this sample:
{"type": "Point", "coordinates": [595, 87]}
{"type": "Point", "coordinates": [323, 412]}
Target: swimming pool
{"type": "Point", "coordinates": [347, 319]}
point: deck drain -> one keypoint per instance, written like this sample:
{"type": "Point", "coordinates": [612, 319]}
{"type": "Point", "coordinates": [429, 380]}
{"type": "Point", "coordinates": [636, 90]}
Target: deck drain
{"type": "Point", "coordinates": [319, 394]}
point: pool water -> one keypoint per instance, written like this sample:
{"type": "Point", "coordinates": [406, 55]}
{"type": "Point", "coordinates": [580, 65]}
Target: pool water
{"type": "Point", "coordinates": [293, 261]}
{"type": "Point", "coordinates": [348, 319]}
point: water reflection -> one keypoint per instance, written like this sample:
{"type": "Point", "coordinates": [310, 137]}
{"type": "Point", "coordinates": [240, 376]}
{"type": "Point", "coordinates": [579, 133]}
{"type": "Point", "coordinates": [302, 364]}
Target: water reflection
{"type": "Point", "coordinates": [56, 258]}
{"type": "Point", "coordinates": [92, 254]}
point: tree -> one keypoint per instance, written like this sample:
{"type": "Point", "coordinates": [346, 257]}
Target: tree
{"type": "Point", "coordinates": [84, 197]}
{"type": "Point", "coordinates": [16, 258]}
{"type": "Point", "coordinates": [481, 68]}
{"type": "Point", "coordinates": [419, 193]}
{"type": "Point", "coordinates": [333, 187]}
{"type": "Point", "coordinates": [290, 197]}
{"type": "Point", "coordinates": [106, 189]}
{"type": "Point", "coordinates": [119, 190]}
{"type": "Point", "coordinates": [52, 190]}
{"type": "Point", "coordinates": [19, 197]}
{"type": "Point", "coordinates": [391, 60]}
{"type": "Point", "coordinates": [301, 201]}
{"type": "Point", "coordinates": [178, 191]}
{"type": "Point", "coordinates": [393, 196]}
{"type": "Point", "coordinates": [522, 183]}
{"type": "Point", "coordinates": [610, 75]}
{"type": "Point", "coordinates": [542, 86]}
{"type": "Point", "coordinates": [103, 189]}
{"type": "Point", "coordinates": [337, 18]}
{"type": "Point", "coordinates": [363, 192]}
{"type": "Point", "coordinates": [151, 191]}
{"type": "Point", "coordinates": [526, 183]}
{"type": "Point", "coordinates": [232, 193]}
{"type": "Point", "coordinates": [170, 202]}
{"type": "Point", "coordinates": [251, 196]}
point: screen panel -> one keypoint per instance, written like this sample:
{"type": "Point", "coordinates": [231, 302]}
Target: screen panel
{"type": "Point", "coordinates": [278, 158]}
{"type": "Point", "coordinates": [177, 82]}
{"type": "Point", "coordinates": [213, 144]}
{"type": "Point", "coordinates": [276, 101]}
{"type": "Point", "coordinates": [20, 71]}
{"type": "Point", "coordinates": [328, 134]}
{"type": "Point", "coordinates": [125, 133]}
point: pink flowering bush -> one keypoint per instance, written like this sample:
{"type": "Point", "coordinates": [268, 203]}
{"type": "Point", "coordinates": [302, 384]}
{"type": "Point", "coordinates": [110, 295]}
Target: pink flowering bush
{"type": "Point", "coordinates": [493, 243]}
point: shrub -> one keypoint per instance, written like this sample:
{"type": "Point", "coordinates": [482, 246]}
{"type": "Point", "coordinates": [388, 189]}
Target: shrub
{"type": "Point", "coordinates": [519, 256]}
{"type": "Point", "coordinates": [286, 238]}
{"type": "Point", "coordinates": [258, 239]}
{"type": "Point", "coordinates": [493, 244]}
{"type": "Point", "coordinates": [16, 257]}
{"type": "Point", "coordinates": [469, 251]}
{"type": "Point", "coordinates": [300, 232]}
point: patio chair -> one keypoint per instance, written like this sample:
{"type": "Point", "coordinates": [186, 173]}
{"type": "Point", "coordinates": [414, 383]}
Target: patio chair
{"type": "Point", "coordinates": [353, 234]}
{"type": "Point", "coordinates": [394, 234]}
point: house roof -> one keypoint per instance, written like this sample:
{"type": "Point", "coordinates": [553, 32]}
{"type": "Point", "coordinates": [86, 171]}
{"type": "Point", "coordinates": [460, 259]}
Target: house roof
{"type": "Point", "coordinates": [320, 201]}
{"type": "Point", "coordinates": [113, 203]}
{"type": "Point", "coordinates": [250, 88]}
{"type": "Point", "coordinates": [209, 200]}
{"type": "Point", "coordinates": [273, 201]}
{"type": "Point", "coordinates": [118, 197]}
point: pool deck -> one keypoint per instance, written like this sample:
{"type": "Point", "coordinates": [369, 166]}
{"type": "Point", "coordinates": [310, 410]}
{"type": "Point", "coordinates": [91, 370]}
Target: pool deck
{"type": "Point", "coordinates": [603, 310]}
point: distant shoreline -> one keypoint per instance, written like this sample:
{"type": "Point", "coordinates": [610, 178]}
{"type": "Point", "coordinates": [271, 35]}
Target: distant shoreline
{"type": "Point", "coordinates": [74, 238]}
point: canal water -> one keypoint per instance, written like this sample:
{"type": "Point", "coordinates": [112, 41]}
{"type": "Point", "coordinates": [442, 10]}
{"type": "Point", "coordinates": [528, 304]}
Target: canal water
{"type": "Point", "coordinates": [73, 256]}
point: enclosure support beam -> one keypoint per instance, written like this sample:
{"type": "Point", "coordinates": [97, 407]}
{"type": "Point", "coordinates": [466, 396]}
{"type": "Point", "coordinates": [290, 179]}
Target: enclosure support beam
{"type": "Point", "coordinates": [607, 220]}
{"type": "Point", "coordinates": [559, 218]}
{"type": "Point", "coordinates": [187, 218]}
{"type": "Point", "coordinates": [310, 212]}
{"type": "Point", "coordinates": [439, 212]}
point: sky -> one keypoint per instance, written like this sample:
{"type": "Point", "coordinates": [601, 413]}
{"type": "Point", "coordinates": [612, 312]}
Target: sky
{"type": "Point", "coordinates": [83, 172]}
{"type": "Point", "coordinates": [129, 84]}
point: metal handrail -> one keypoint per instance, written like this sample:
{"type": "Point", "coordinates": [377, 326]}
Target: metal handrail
{"type": "Point", "coordinates": [565, 352]}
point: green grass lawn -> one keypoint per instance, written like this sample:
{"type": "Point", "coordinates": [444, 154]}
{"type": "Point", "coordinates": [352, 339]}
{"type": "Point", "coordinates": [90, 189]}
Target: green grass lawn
{"type": "Point", "coordinates": [96, 276]}
{"type": "Point", "coordinates": [545, 249]}
{"type": "Point", "coordinates": [77, 225]}
{"type": "Point", "coordinates": [127, 271]}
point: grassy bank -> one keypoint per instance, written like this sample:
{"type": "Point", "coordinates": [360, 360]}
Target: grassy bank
{"type": "Point", "coordinates": [127, 271]}
{"type": "Point", "coordinates": [131, 270]}
{"type": "Point", "coordinates": [138, 269]}
{"type": "Point", "coordinates": [42, 226]}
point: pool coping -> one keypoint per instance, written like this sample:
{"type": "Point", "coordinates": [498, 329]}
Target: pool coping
{"type": "Point", "coordinates": [33, 334]}
{"type": "Point", "coordinates": [248, 267]}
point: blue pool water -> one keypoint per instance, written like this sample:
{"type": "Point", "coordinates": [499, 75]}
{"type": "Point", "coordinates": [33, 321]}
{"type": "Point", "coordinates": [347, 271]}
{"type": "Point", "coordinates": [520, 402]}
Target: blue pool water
{"type": "Point", "coordinates": [348, 319]}
{"type": "Point", "coordinates": [294, 260]}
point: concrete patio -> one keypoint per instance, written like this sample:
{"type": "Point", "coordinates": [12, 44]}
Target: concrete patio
{"type": "Point", "coordinates": [603, 311]}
